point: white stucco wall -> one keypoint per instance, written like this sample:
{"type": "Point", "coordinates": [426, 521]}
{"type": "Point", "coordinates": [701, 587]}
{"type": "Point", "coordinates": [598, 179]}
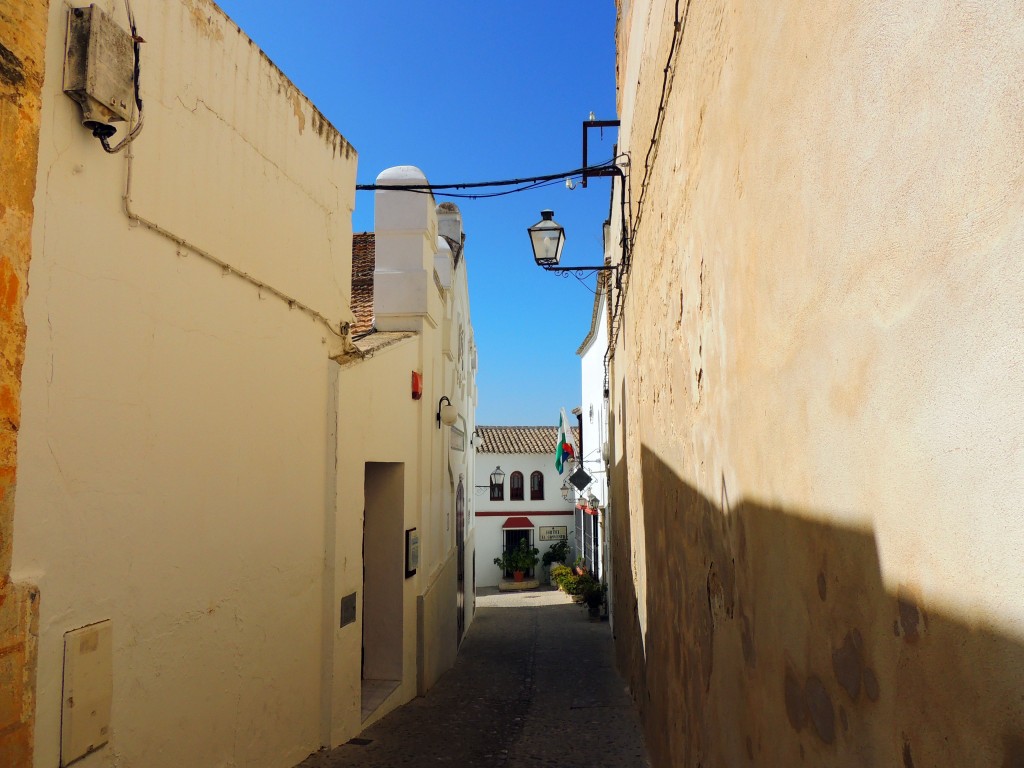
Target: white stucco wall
{"type": "Point", "coordinates": [459, 358]}
{"type": "Point", "coordinates": [175, 417]}
{"type": "Point", "coordinates": [491, 515]}
{"type": "Point", "coordinates": [594, 409]}
{"type": "Point", "coordinates": [594, 405]}
{"type": "Point", "coordinates": [455, 373]}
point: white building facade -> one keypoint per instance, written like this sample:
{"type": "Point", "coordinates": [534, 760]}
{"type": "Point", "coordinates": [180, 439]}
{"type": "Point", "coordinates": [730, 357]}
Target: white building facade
{"type": "Point", "coordinates": [592, 502]}
{"type": "Point", "coordinates": [527, 504]}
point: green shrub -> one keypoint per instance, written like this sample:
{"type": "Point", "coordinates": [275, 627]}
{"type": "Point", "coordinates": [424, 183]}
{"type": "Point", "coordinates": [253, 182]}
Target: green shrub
{"type": "Point", "coordinates": [561, 574]}
{"type": "Point", "coordinates": [585, 584]}
{"type": "Point", "coordinates": [557, 552]}
{"type": "Point", "coordinates": [593, 596]}
{"type": "Point", "coordinates": [521, 558]}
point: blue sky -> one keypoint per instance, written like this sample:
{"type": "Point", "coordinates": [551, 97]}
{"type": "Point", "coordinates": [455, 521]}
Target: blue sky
{"type": "Point", "coordinates": [473, 90]}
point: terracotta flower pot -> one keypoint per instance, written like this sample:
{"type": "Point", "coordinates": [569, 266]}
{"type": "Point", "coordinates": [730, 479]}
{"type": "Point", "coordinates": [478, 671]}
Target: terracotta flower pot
{"type": "Point", "coordinates": [517, 575]}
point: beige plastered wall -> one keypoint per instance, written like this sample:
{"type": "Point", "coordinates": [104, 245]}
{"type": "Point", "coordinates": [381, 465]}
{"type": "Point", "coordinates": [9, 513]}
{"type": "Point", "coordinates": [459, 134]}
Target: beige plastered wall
{"type": "Point", "coordinates": [176, 415]}
{"type": "Point", "coordinates": [419, 290]}
{"type": "Point", "coordinates": [459, 361]}
{"type": "Point", "coordinates": [817, 382]}
{"type": "Point", "coordinates": [22, 45]}
{"type": "Point", "coordinates": [382, 424]}
{"type": "Point", "coordinates": [437, 636]}
{"type": "Point", "coordinates": [379, 421]}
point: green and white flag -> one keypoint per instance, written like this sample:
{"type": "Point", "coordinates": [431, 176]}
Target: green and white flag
{"type": "Point", "coordinates": [565, 447]}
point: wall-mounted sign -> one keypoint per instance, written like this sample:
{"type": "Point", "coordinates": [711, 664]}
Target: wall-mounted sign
{"type": "Point", "coordinates": [412, 552]}
{"type": "Point", "coordinates": [553, 532]}
{"type": "Point", "coordinates": [458, 441]}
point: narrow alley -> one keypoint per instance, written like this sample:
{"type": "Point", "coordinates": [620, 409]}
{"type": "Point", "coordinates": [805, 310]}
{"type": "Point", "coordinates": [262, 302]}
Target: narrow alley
{"type": "Point", "coordinates": [534, 685]}
{"type": "Point", "coordinates": [323, 322]}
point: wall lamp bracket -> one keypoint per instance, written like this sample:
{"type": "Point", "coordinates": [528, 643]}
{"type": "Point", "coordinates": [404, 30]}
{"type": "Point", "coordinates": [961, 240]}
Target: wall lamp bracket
{"type": "Point", "coordinates": [447, 413]}
{"type": "Point", "coordinates": [569, 270]}
{"type": "Point", "coordinates": [605, 268]}
{"type": "Point", "coordinates": [547, 237]}
{"type": "Point", "coordinates": [612, 170]}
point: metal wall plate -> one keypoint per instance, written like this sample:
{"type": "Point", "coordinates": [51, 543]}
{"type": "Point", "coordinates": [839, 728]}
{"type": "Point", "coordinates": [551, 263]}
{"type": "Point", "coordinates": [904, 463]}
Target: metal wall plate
{"type": "Point", "coordinates": [348, 609]}
{"type": "Point", "coordinates": [88, 691]}
{"type": "Point", "coordinates": [99, 66]}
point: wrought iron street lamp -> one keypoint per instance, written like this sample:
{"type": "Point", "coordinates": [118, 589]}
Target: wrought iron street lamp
{"type": "Point", "coordinates": [566, 490]}
{"type": "Point", "coordinates": [547, 238]}
{"type": "Point", "coordinates": [497, 478]}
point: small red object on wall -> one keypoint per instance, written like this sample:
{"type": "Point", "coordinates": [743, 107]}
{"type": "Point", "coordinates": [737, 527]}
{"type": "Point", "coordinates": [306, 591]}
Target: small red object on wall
{"type": "Point", "coordinates": [417, 385]}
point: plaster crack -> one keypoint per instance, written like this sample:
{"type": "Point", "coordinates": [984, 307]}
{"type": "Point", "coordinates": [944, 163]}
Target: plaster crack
{"type": "Point", "coordinates": [56, 461]}
{"type": "Point", "coordinates": [231, 127]}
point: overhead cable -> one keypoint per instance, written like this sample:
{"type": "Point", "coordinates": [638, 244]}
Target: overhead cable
{"type": "Point", "coordinates": [521, 184]}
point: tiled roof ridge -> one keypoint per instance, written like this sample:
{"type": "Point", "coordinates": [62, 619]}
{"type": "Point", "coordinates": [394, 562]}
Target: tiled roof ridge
{"type": "Point", "coordinates": [519, 439]}
{"type": "Point", "coordinates": [515, 426]}
{"type": "Point", "coordinates": [363, 264]}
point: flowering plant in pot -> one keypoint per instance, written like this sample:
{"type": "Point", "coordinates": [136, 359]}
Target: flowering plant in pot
{"type": "Point", "coordinates": [557, 553]}
{"type": "Point", "coordinates": [593, 595]}
{"type": "Point", "coordinates": [562, 575]}
{"type": "Point", "coordinates": [518, 559]}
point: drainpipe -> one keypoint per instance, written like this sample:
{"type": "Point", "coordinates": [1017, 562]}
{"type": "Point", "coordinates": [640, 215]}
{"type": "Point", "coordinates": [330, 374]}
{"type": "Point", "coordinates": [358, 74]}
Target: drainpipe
{"type": "Point", "coordinates": [342, 336]}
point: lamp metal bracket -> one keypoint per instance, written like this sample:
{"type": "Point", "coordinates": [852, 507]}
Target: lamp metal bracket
{"type": "Point", "coordinates": [612, 170]}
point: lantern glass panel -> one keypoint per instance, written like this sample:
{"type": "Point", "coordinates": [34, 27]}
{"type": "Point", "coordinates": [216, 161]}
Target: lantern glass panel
{"type": "Point", "coordinates": [547, 237]}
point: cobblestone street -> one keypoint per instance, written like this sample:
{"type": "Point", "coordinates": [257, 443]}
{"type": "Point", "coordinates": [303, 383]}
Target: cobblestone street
{"type": "Point", "coordinates": [534, 685]}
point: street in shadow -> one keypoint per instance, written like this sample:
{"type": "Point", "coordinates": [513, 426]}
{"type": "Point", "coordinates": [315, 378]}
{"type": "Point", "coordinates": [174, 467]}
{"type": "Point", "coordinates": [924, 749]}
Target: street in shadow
{"type": "Point", "coordinates": [534, 684]}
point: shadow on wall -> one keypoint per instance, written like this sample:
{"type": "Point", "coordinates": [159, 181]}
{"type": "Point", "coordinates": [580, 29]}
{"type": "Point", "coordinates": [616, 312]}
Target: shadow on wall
{"type": "Point", "coordinates": [772, 640]}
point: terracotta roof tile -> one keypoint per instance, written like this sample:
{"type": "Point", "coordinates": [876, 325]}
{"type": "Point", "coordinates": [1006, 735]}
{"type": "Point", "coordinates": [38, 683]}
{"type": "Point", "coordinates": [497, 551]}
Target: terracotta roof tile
{"type": "Point", "coordinates": [519, 439]}
{"type": "Point", "coordinates": [362, 281]}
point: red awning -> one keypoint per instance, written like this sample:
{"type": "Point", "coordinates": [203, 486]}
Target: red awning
{"type": "Point", "coordinates": [518, 523]}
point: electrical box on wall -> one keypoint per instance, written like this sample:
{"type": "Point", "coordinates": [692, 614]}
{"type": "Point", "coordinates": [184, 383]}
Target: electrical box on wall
{"type": "Point", "coordinates": [88, 691]}
{"type": "Point", "coordinates": [99, 67]}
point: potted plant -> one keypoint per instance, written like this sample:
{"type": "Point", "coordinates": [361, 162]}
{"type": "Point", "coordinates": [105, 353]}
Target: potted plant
{"type": "Point", "coordinates": [593, 596]}
{"type": "Point", "coordinates": [561, 574]}
{"type": "Point", "coordinates": [519, 559]}
{"type": "Point", "coordinates": [577, 585]}
{"type": "Point", "coordinates": [557, 553]}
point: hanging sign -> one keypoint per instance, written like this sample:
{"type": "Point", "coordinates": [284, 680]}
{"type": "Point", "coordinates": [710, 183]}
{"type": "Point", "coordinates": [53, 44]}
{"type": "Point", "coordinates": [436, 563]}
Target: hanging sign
{"type": "Point", "coordinates": [580, 479]}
